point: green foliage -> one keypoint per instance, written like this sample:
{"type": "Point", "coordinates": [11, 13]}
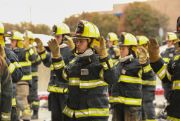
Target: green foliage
{"type": "Point", "coordinates": [141, 19]}
{"type": "Point", "coordinates": [38, 28]}
{"type": "Point", "coordinates": [105, 22]}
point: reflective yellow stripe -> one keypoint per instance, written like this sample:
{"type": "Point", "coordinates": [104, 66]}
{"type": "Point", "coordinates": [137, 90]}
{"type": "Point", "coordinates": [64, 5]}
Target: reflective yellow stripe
{"type": "Point", "coordinates": [147, 68]}
{"type": "Point", "coordinates": [11, 68]}
{"type": "Point", "coordinates": [149, 82]}
{"type": "Point", "coordinates": [37, 60]}
{"type": "Point", "coordinates": [162, 72]}
{"type": "Point", "coordinates": [35, 103]}
{"type": "Point", "coordinates": [101, 74]}
{"type": "Point", "coordinates": [17, 65]}
{"type": "Point", "coordinates": [176, 85]}
{"type": "Point", "coordinates": [51, 67]}
{"type": "Point", "coordinates": [105, 65]}
{"type": "Point", "coordinates": [34, 73]}
{"type": "Point", "coordinates": [86, 84]}
{"type": "Point", "coordinates": [43, 56]}
{"type": "Point", "coordinates": [31, 51]}
{"type": "Point", "coordinates": [176, 57]}
{"type": "Point", "coordinates": [90, 112]}
{"type": "Point", "coordinates": [58, 65]}
{"type": "Point", "coordinates": [173, 118]}
{"type": "Point", "coordinates": [64, 75]}
{"type": "Point", "coordinates": [57, 89]}
{"type": "Point", "coordinates": [166, 60]}
{"type": "Point", "coordinates": [130, 79]}
{"type": "Point", "coordinates": [74, 81]}
{"type": "Point", "coordinates": [69, 112]}
{"type": "Point", "coordinates": [92, 84]}
{"type": "Point", "coordinates": [168, 75]}
{"type": "Point", "coordinates": [26, 63]}
{"type": "Point", "coordinates": [151, 120]}
{"type": "Point", "coordinates": [125, 100]}
{"type": "Point", "coordinates": [26, 77]}
{"type": "Point", "coordinates": [13, 102]}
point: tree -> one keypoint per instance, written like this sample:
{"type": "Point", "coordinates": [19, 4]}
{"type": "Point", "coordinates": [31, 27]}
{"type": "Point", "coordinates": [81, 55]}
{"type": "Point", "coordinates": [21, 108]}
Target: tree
{"type": "Point", "coordinates": [105, 22]}
{"type": "Point", "coordinates": [140, 19]}
{"type": "Point", "coordinates": [39, 28]}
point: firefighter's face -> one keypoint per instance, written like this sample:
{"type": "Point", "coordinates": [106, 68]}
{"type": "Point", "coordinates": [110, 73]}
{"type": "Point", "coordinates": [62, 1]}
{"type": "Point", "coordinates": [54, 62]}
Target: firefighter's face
{"type": "Point", "coordinates": [58, 38]}
{"type": "Point", "coordinates": [170, 43]}
{"type": "Point", "coordinates": [124, 51]}
{"type": "Point", "coordinates": [110, 43]}
{"type": "Point", "coordinates": [13, 43]}
{"type": "Point", "coordinates": [81, 45]}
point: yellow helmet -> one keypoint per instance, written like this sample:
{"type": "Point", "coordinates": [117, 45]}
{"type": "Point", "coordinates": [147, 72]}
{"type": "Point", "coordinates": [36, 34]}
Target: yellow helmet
{"type": "Point", "coordinates": [29, 35]}
{"type": "Point", "coordinates": [60, 29]}
{"type": "Point", "coordinates": [16, 35]}
{"type": "Point", "coordinates": [87, 29]}
{"type": "Point", "coordinates": [127, 39]}
{"type": "Point", "coordinates": [112, 37]}
{"type": "Point", "coordinates": [1, 28]}
{"type": "Point", "coordinates": [142, 40]}
{"type": "Point", "coordinates": [171, 36]}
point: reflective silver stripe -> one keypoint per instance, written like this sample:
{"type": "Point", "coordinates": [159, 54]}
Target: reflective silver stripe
{"type": "Point", "coordinates": [92, 84]}
{"type": "Point", "coordinates": [86, 84]}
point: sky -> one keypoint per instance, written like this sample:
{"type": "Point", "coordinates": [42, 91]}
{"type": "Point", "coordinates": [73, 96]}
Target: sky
{"type": "Point", "coordinates": [50, 11]}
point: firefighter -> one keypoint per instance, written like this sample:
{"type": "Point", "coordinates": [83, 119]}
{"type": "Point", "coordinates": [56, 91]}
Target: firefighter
{"type": "Point", "coordinates": [33, 92]}
{"type": "Point", "coordinates": [6, 91]}
{"type": "Point", "coordinates": [25, 56]}
{"type": "Point", "coordinates": [127, 92]}
{"type": "Point", "coordinates": [112, 40]}
{"type": "Point", "coordinates": [14, 69]}
{"type": "Point", "coordinates": [148, 86]}
{"type": "Point", "coordinates": [167, 55]}
{"type": "Point", "coordinates": [56, 88]}
{"type": "Point", "coordinates": [88, 75]}
{"type": "Point", "coordinates": [168, 72]}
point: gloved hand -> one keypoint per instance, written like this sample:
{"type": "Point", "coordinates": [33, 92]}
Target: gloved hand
{"type": "Point", "coordinates": [142, 54]}
{"type": "Point", "coordinates": [2, 52]}
{"type": "Point", "coordinates": [69, 41]}
{"type": "Point", "coordinates": [102, 51]}
{"type": "Point", "coordinates": [54, 47]}
{"type": "Point", "coordinates": [153, 49]}
{"type": "Point", "coordinates": [117, 51]}
{"type": "Point", "coordinates": [40, 47]}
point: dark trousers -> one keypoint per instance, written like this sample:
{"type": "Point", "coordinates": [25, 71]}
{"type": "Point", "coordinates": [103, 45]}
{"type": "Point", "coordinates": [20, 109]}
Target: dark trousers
{"type": "Point", "coordinates": [33, 94]}
{"type": "Point", "coordinates": [57, 103]}
{"type": "Point", "coordinates": [126, 113]}
{"type": "Point", "coordinates": [167, 89]}
{"type": "Point", "coordinates": [148, 109]}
